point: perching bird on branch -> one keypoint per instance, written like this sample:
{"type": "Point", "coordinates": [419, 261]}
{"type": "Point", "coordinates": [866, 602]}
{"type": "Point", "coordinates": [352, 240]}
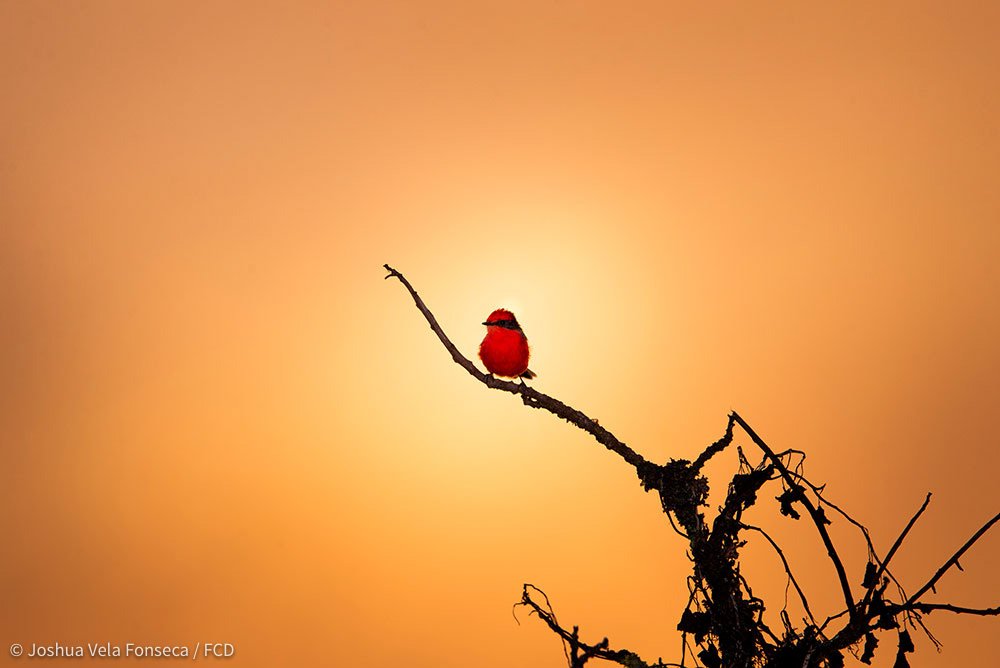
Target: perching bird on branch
{"type": "Point", "coordinates": [505, 350]}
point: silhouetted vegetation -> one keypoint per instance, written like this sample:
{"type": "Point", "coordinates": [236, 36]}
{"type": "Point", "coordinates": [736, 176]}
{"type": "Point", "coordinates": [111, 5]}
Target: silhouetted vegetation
{"type": "Point", "coordinates": [723, 624]}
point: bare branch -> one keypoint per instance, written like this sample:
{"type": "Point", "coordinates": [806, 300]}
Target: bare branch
{"type": "Point", "coordinates": [873, 553]}
{"type": "Point", "coordinates": [723, 617]}
{"type": "Point", "coordinates": [530, 396]}
{"type": "Point", "coordinates": [931, 607]}
{"type": "Point", "coordinates": [892, 550]}
{"type": "Point", "coordinates": [952, 561]}
{"type": "Point", "coordinates": [817, 519]}
{"type": "Point", "coordinates": [716, 447]}
{"type": "Point", "coordinates": [599, 650]}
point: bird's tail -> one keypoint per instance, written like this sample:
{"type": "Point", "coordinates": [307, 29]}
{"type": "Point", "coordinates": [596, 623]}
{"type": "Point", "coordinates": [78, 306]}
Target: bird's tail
{"type": "Point", "coordinates": [529, 374]}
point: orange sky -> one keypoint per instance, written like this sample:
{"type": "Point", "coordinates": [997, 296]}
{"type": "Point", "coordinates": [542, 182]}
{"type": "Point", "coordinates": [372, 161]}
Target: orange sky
{"type": "Point", "coordinates": [220, 423]}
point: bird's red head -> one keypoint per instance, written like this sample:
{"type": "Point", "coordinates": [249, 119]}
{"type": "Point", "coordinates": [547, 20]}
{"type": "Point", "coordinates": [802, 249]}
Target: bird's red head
{"type": "Point", "coordinates": [502, 318]}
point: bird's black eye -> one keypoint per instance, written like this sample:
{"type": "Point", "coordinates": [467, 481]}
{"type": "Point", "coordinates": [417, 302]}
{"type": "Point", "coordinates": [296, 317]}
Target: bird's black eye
{"type": "Point", "coordinates": [506, 323]}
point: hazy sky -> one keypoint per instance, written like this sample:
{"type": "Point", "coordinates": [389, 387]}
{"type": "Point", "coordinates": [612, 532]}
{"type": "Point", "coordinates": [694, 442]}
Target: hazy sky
{"type": "Point", "coordinates": [220, 423]}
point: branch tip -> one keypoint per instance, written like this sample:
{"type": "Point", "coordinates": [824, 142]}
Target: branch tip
{"type": "Point", "coordinates": [530, 396]}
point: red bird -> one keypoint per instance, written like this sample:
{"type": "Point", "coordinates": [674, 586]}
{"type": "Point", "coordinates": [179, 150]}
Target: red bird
{"type": "Point", "coordinates": [504, 351]}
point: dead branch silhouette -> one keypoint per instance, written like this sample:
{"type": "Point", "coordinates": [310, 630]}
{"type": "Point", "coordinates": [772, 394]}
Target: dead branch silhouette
{"type": "Point", "coordinates": [723, 617]}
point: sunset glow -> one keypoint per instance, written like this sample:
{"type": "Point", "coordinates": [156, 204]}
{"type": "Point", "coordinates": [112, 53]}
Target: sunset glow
{"type": "Point", "coordinates": [221, 424]}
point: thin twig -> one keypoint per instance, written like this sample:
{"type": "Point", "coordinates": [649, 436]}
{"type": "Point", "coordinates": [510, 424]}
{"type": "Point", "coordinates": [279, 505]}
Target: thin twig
{"type": "Point", "coordinates": [599, 650]}
{"type": "Point", "coordinates": [931, 607]}
{"type": "Point", "coordinates": [873, 553]}
{"type": "Point", "coordinates": [817, 519]}
{"type": "Point", "coordinates": [892, 551]}
{"type": "Point", "coordinates": [788, 569]}
{"type": "Point", "coordinates": [952, 561]}
{"type": "Point", "coordinates": [831, 618]}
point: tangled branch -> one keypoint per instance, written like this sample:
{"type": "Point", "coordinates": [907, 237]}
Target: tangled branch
{"type": "Point", "coordinates": [578, 652]}
{"type": "Point", "coordinates": [722, 616]}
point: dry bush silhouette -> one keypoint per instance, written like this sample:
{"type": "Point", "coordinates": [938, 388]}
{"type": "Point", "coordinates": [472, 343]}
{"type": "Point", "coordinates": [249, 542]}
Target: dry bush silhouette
{"type": "Point", "coordinates": [723, 618]}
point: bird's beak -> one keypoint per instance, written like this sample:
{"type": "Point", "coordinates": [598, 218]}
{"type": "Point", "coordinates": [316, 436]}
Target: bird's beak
{"type": "Point", "coordinates": [487, 324]}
